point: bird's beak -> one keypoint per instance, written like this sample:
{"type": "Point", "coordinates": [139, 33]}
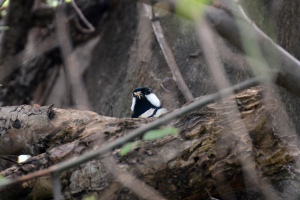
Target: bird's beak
{"type": "Point", "coordinates": [138, 94]}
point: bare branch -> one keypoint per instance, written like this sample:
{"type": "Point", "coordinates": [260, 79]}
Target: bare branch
{"type": "Point", "coordinates": [56, 186]}
{"type": "Point", "coordinates": [75, 84]}
{"type": "Point", "coordinates": [169, 57]}
{"type": "Point", "coordinates": [82, 17]}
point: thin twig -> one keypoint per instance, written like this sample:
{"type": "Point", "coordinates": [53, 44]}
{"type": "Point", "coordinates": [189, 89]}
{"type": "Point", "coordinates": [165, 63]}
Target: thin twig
{"type": "Point", "coordinates": [210, 197]}
{"type": "Point", "coordinates": [169, 56]}
{"type": "Point", "coordinates": [9, 160]}
{"type": "Point", "coordinates": [60, 167]}
{"type": "Point", "coordinates": [78, 25]}
{"type": "Point", "coordinates": [131, 182]}
{"type": "Point", "coordinates": [83, 18]}
{"type": "Point", "coordinates": [56, 185]}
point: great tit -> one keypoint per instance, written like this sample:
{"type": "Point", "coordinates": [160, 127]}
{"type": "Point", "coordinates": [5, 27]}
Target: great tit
{"type": "Point", "coordinates": [145, 104]}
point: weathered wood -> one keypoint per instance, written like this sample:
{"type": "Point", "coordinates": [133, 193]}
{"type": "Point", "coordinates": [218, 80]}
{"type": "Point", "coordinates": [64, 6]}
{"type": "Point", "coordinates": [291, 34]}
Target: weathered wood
{"type": "Point", "coordinates": [203, 154]}
{"type": "Point", "coordinates": [21, 127]}
{"type": "Point", "coordinates": [28, 129]}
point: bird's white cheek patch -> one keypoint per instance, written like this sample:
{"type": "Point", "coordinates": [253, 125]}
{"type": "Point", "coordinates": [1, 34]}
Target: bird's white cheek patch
{"type": "Point", "coordinates": [133, 103]}
{"type": "Point", "coordinates": [153, 99]}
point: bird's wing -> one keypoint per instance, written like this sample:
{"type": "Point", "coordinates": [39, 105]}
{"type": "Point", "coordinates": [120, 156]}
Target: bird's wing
{"type": "Point", "coordinates": [148, 113]}
{"type": "Point", "coordinates": [153, 112]}
{"type": "Point", "coordinates": [160, 112]}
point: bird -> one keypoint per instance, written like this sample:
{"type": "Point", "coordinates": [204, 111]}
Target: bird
{"type": "Point", "coordinates": [145, 104]}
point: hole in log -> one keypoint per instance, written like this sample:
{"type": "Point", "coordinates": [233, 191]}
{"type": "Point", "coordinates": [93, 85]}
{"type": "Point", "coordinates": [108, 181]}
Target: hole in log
{"type": "Point", "coordinates": [51, 114]}
{"type": "Point", "coordinates": [196, 159]}
{"type": "Point", "coordinates": [17, 124]}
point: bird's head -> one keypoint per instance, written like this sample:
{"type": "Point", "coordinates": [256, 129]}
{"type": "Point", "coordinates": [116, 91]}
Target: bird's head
{"type": "Point", "coordinates": [144, 95]}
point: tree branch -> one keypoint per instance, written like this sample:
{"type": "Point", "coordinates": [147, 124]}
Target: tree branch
{"type": "Point", "coordinates": [75, 84]}
{"type": "Point", "coordinates": [169, 57]}
{"type": "Point", "coordinates": [83, 18]}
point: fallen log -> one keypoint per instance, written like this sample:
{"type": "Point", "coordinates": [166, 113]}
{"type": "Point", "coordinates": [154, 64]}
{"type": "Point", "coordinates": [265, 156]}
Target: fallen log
{"type": "Point", "coordinates": [202, 156]}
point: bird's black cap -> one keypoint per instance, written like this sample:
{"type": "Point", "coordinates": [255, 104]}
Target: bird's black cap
{"type": "Point", "coordinates": [144, 91]}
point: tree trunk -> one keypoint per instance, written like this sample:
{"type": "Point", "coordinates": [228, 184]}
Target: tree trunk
{"type": "Point", "coordinates": [202, 155]}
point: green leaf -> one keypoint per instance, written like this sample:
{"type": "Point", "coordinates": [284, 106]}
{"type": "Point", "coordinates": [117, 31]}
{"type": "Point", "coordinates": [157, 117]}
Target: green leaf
{"type": "Point", "coordinates": [4, 181]}
{"type": "Point", "coordinates": [91, 197]}
{"type": "Point", "coordinates": [128, 147]}
{"type": "Point", "coordinates": [4, 28]}
{"type": "Point", "coordinates": [5, 4]}
{"type": "Point", "coordinates": [156, 134]}
{"type": "Point", "coordinates": [191, 9]}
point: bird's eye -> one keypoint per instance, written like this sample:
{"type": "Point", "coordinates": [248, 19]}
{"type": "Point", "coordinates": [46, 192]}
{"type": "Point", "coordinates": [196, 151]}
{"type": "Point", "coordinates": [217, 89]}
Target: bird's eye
{"type": "Point", "coordinates": [149, 91]}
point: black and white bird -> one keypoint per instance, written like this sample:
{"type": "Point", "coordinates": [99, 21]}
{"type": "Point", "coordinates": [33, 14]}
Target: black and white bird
{"type": "Point", "coordinates": [145, 104]}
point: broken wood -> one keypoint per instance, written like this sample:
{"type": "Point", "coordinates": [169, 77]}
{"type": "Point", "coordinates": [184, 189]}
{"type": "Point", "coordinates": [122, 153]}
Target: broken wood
{"type": "Point", "coordinates": [202, 155]}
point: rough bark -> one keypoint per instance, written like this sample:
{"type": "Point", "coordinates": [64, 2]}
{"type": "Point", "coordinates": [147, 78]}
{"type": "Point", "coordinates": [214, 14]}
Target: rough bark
{"type": "Point", "coordinates": [202, 155]}
{"type": "Point", "coordinates": [14, 138]}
